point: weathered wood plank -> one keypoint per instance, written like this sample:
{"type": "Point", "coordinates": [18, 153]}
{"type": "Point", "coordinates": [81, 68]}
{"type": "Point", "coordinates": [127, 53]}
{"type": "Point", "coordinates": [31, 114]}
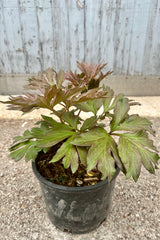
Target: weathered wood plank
{"type": "Point", "coordinates": [35, 35]}
{"type": "Point", "coordinates": [29, 36]}
{"type": "Point", "coordinates": [68, 34]}
{"type": "Point", "coordinates": [116, 32]}
{"type": "Point", "coordinates": [10, 29]}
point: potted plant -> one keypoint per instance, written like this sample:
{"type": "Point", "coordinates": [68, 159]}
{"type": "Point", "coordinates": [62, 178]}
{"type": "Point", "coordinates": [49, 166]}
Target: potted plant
{"type": "Point", "coordinates": [77, 159]}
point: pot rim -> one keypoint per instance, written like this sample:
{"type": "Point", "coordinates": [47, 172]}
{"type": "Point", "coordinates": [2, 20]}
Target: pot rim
{"type": "Point", "coordinates": [67, 188]}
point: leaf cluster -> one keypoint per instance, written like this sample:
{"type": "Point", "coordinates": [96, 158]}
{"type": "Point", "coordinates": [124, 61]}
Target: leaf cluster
{"type": "Point", "coordinates": [123, 143]}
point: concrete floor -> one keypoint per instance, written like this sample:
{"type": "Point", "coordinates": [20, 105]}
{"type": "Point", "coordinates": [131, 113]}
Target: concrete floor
{"type": "Point", "coordinates": [135, 212]}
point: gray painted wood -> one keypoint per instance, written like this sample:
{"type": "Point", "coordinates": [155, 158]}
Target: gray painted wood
{"type": "Point", "coordinates": [35, 35]}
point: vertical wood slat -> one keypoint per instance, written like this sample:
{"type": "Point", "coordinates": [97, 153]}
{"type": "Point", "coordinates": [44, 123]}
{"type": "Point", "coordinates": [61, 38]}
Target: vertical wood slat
{"type": "Point", "coordinates": [37, 34]}
{"type": "Point", "coordinates": [67, 24]}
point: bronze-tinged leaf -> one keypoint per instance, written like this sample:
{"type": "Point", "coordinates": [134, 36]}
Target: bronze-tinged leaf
{"type": "Point", "coordinates": [60, 78]}
{"type": "Point", "coordinates": [136, 149]}
{"type": "Point", "coordinates": [90, 70]}
{"type": "Point", "coordinates": [74, 78]}
{"type": "Point", "coordinates": [50, 76]}
{"type": "Point", "coordinates": [42, 81]}
{"type": "Point", "coordinates": [136, 123]}
{"type": "Point", "coordinates": [89, 95]}
{"type": "Point", "coordinates": [25, 103]}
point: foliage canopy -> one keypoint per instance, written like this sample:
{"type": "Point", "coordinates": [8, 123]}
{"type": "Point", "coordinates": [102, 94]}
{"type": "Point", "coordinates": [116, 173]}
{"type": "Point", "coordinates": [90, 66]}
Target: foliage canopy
{"type": "Point", "coordinates": [84, 140]}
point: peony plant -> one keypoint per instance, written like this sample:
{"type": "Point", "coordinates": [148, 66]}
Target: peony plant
{"type": "Point", "coordinates": [108, 138]}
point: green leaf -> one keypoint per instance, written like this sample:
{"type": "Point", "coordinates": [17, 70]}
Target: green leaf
{"type": "Point", "coordinates": [134, 150]}
{"type": "Point", "coordinates": [117, 98]}
{"type": "Point", "coordinates": [114, 149]}
{"type": "Point", "coordinates": [61, 152]}
{"type": "Point", "coordinates": [120, 113]}
{"type": "Point", "coordinates": [100, 153]}
{"type": "Point", "coordinates": [38, 132]}
{"type": "Point", "coordinates": [56, 125]}
{"type": "Point", "coordinates": [71, 158]}
{"type": "Point", "coordinates": [108, 99]}
{"type": "Point", "coordinates": [130, 158]}
{"type": "Point", "coordinates": [102, 125]}
{"type": "Point", "coordinates": [74, 160]}
{"type": "Point", "coordinates": [32, 153]}
{"type": "Point", "coordinates": [135, 123]}
{"type": "Point", "coordinates": [87, 106]}
{"type": "Point", "coordinates": [71, 119]}
{"type": "Point", "coordinates": [106, 165]}
{"type": "Point", "coordinates": [53, 137]}
{"type": "Point", "coordinates": [88, 138]}
{"type": "Point", "coordinates": [26, 136]}
{"type": "Point", "coordinates": [18, 145]}
{"type": "Point", "coordinates": [94, 153]}
{"type": "Point", "coordinates": [140, 138]}
{"type": "Point", "coordinates": [89, 123]}
{"type": "Point", "coordinates": [82, 151]}
{"type": "Point", "coordinates": [98, 103]}
{"type": "Point", "coordinates": [19, 153]}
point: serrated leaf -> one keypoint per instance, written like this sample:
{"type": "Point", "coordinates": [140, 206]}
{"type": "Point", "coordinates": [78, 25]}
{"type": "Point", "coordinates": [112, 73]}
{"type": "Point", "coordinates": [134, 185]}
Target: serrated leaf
{"type": "Point", "coordinates": [140, 138]}
{"type": "Point", "coordinates": [130, 158]}
{"type": "Point", "coordinates": [71, 119]}
{"type": "Point", "coordinates": [32, 153]}
{"type": "Point", "coordinates": [88, 138]}
{"type": "Point", "coordinates": [147, 158]}
{"type": "Point", "coordinates": [74, 160]}
{"type": "Point", "coordinates": [108, 99]}
{"type": "Point", "coordinates": [86, 107]}
{"type": "Point", "coordinates": [54, 137]}
{"type": "Point", "coordinates": [117, 98]}
{"type": "Point", "coordinates": [26, 136]}
{"type": "Point", "coordinates": [133, 152]}
{"type": "Point", "coordinates": [50, 74]}
{"type": "Point", "coordinates": [100, 153]}
{"type": "Point", "coordinates": [18, 145]}
{"type": "Point", "coordinates": [19, 153]}
{"type": "Point", "coordinates": [38, 132]}
{"type": "Point", "coordinates": [60, 78]}
{"type": "Point", "coordinates": [61, 152]}
{"type": "Point", "coordinates": [135, 123]}
{"type": "Point", "coordinates": [106, 165]}
{"type": "Point", "coordinates": [114, 149]}
{"type": "Point", "coordinates": [56, 125]}
{"type": "Point", "coordinates": [88, 123]}
{"type": "Point", "coordinates": [82, 151]}
{"type": "Point", "coordinates": [95, 153]}
{"type": "Point", "coordinates": [70, 158]}
{"type": "Point", "coordinates": [120, 112]}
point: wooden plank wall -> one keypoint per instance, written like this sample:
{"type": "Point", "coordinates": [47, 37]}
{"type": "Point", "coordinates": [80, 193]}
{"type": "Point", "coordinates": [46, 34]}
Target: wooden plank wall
{"type": "Point", "coordinates": [35, 35]}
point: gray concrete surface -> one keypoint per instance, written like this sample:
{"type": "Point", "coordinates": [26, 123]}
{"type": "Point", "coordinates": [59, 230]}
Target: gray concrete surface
{"type": "Point", "coordinates": [135, 212]}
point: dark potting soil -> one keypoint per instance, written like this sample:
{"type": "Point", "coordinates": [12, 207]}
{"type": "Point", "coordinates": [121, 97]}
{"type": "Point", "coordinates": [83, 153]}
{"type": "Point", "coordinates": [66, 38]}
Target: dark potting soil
{"type": "Point", "coordinates": [56, 173]}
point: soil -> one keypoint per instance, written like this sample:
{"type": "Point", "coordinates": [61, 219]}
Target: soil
{"type": "Point", "coordinates": [56, 173]}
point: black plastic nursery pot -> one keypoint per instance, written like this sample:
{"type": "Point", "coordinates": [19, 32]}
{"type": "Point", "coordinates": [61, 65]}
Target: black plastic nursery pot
{"type": "Point", "coordinates": [76, 209]}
